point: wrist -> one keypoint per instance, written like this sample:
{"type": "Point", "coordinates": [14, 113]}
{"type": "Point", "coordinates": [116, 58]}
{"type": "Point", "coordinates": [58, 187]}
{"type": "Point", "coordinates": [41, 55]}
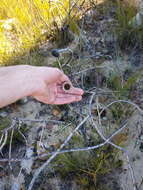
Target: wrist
{"type": "Point", "coordinates": [29, 79]}
{"type": "Point", "coordinates": [21, 79]}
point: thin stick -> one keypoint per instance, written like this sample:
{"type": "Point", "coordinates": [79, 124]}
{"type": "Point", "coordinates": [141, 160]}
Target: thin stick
{"type": "Point", "coordinates": [124, 101]}
{"type": "Point", "coordinates": [39, 170]}
{"type": "Point", "coordinates": [10, 146]}
{"type": "Point", "coordinates": [131, 172]}
{"type": "Point", "coordinates": [104, 138]}
{"type": "Point", "coordinates": [4, 142]}
{"type": "Point", "coordinates": [39, 120]}
{"type": "Point", "coordinates": [1, 138]}
{"type": "Point", "coordinates": [70, 150]}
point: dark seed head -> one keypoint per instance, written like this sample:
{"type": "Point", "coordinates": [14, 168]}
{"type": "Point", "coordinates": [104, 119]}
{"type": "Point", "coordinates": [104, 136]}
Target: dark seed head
{"type": "Point", "coordinates": [55, 53]}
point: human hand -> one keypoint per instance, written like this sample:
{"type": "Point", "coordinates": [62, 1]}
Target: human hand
{"type": "Point", "coordinates": [42, 83]}
{"type": "Point", "coordinates": [49, 87]}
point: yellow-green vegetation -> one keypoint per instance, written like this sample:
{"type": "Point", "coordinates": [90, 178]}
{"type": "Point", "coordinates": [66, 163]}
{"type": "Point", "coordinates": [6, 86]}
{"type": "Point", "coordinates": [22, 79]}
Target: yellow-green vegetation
{"type": "Point", "coordinates": [123, 88]}
{"type": "Point", "coordinates": [128, 34]}
{"type": "Point", "coordinates": [5, 123]}
{"type": "Point", "coordinates": [87, 168]}
{"type": "Point", "coordinates": [24, 23]}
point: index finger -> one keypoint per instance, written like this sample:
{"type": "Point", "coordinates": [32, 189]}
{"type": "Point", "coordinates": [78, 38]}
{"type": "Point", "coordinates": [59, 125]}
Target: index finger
{"type": "Point", "coordinates": [73, 91]}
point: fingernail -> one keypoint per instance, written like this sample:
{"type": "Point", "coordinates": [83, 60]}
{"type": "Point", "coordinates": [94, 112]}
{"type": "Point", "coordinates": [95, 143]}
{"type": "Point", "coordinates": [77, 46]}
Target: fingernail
{"type": "Point", "coordinates": [82, 92]}
{"type": "Point", "coordinates": [78, 98]}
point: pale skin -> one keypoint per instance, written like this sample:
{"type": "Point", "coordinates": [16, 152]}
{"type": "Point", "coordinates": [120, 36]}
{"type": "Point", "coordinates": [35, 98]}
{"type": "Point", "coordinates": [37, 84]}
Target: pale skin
{"type": "Point", "coordinates": [42, 83]}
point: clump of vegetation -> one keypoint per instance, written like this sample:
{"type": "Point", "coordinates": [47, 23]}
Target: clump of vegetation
{"type": "Point", "coordinates": [128, 34]}
{"type": "Point", "coordinates": [5, 123]}
{"type": "Point", "coordinates": [24, 23]}
{"type": "Point", "coordinates": [87, 168]}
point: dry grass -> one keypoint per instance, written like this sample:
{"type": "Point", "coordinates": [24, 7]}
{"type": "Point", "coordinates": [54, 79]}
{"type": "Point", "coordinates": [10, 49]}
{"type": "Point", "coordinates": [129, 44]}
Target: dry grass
{"type": "Point", "coordinates": [24, 23]}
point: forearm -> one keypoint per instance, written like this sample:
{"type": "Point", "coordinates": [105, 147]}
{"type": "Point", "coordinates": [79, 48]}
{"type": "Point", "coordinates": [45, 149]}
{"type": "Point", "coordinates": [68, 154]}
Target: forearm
{"type": "Point", "coordinates": [42, 83]}
{"type": "Point", "coordinates": [14, 84]}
